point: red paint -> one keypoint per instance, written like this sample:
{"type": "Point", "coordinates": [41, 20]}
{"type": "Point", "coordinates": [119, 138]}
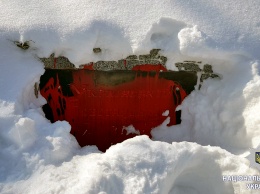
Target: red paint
{"type": "Point", "coordinates": [89, 66]}
{"type": "Point", "coordinates": [148, 67]}
{"type": "Point", "coordinates": [99, 112]}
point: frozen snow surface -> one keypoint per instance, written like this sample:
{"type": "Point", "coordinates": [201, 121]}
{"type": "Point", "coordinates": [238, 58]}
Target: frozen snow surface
{"type": "Point", "coordinates": [220, 122]}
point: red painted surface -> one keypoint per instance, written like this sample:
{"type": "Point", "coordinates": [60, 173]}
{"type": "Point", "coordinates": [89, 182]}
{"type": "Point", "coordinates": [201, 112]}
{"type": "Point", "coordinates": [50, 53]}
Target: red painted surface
{"type": "Point", "coordinates": [98, 112]}
{"type": "Point", "coordinates": [148, 67]}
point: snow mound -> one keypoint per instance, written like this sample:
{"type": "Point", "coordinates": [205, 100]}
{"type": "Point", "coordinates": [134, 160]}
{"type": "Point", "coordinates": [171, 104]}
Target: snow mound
{"type": "Point", "coordinates": [140, 165]}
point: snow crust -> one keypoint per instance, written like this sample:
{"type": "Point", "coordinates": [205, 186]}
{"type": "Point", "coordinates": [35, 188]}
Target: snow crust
{"type": "Point", "coordinates": [222, 118]}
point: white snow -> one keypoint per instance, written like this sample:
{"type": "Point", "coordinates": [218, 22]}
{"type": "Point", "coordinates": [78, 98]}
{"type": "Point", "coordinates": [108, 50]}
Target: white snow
{"type": "Point", "coordinates": [139, 165]}
{"type": "Point", "coordinates": [130, 130]}
{"type": "Point", "coordinates": [166, 113]}
{"type": "Point", "coordinates": [220, 122]}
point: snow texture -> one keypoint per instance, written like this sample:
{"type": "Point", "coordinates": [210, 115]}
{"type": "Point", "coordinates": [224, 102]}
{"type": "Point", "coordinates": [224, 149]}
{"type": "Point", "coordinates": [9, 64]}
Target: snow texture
{"type": "Point", "coordinates": [220, 122]}
{"type": "Point", "coordinates": [130, 130]}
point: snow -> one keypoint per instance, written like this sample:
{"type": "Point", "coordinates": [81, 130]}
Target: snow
{"type": "Point", "coordinates": [166, 113]}
{"type": "Point", "coordinates": [130, 130]}
{"type": "Point", "coordinates": [163, 168]}
{"type": "Point", "coordinates": [220, 122]}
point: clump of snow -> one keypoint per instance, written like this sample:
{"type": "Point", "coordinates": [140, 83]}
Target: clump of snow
{"type": "Point", "coordinates": [166, 113]}
{"type": "Point", "coordinates": [23, 134]}
{"type": "Point", "coordinates": [223, 113]}
{"type": "Point", "coordinates": [194, 43]}
{"type": "Point", "coordinates": [130, 130]}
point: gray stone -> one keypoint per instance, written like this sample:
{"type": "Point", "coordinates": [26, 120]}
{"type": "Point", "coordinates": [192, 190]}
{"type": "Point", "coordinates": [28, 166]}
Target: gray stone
{"type": "Point", "coordinates": [163, 60]}
{"type": "Point", "coordinates": [144, 57]}
{"type": "Point", "coordinates": [132, 57]}
{"type": "Point", "coordinates": [131, 63]}
{"type": "Point", "coordinates": [105, 65]}
{"type": "Point", "coordinates": [154, 53]}
{"type": "Point", "coordinates": [96, 50]}
{"type": "Point", "coordinates": [207, 68]}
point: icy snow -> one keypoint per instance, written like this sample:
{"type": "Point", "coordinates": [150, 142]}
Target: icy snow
{"type": "Point", "coordinates": [222, 118]}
